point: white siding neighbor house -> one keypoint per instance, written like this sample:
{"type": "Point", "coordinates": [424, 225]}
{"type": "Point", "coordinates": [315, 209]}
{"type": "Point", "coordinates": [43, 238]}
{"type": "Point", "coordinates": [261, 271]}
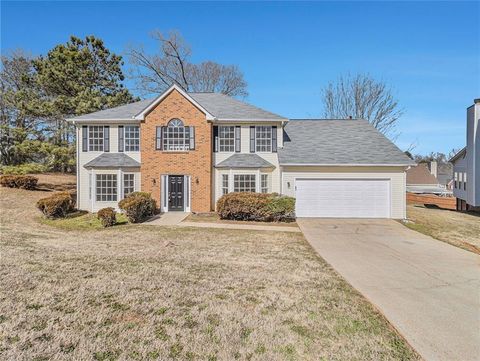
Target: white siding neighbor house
{"type": "Point", "coordinates": [466, 164]}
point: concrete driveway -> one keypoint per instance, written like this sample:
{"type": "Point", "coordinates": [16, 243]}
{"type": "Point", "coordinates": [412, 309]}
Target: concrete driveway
{"type": "Point", "coordinates": [429, 290]}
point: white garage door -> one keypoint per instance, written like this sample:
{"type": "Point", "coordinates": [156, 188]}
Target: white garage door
{"type": "Point", "coordinates": [343, 198]}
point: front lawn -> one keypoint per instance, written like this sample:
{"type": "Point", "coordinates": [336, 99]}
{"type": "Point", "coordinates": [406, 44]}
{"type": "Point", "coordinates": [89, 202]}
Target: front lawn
{"type": "Point", "coordinates": [161, 293]}
{"type": "Point", "coordinates": [457, 228]}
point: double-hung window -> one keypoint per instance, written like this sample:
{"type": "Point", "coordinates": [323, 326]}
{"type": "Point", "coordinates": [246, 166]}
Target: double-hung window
{"type": "Point", "coordinates": [263, 138]}
{"type": "Point", "coordinates": [244, 183]}
{"type": "Point", "coordinates": [224, 184]}
{"type": "Point", "coordinates": [264, 183]}
{"type": "Point", "coordinates": [95, 138]}
{"type": "Point", "coordinates": [226, 138]}
{"type": "Point", "coordinates": [132, 138]}
{"type": "Point", "coordinates": [128, 183]}
{"type": "Point", "coordinates": [176, 137]}
{"type": "Point", "coordinates": [106, 187]}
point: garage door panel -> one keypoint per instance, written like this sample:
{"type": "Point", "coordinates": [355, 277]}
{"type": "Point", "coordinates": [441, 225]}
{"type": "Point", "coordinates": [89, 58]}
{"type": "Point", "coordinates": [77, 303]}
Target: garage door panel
{"type": "Point", "coordinates": [343, 198]}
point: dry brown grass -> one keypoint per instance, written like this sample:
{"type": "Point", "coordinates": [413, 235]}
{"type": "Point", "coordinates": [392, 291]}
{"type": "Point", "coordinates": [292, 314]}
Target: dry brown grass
{"type": "Point", "coordinates": [142, 292]}
{"type": "Point", "coordinates": [457, 228]}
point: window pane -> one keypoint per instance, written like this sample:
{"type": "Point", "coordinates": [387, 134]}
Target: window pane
{"type": "Point", "coordinates": [263, 138]}
{"type": "Point", "coordinates": [264, 183]}
{"type": "Point", "coordinates": [226, 138]}
{"type": "Point", "coordinates": [106, 187]}
{"type": "Point", "coordinates": [128, 184]}
{"type": "Point", "coordinates": [132, 138]}
{"type": "Point", "coordinates": [95, 138]}
{"type": "Point", "coordinates": [176, 137]}
{"type": "Point", "coordinates": [244, 183]}
{"type": "Point", "coordinates": [224, 184]}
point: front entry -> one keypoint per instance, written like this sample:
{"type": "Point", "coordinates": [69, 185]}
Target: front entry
{"type": "Point", "coordinates": [175, 193]}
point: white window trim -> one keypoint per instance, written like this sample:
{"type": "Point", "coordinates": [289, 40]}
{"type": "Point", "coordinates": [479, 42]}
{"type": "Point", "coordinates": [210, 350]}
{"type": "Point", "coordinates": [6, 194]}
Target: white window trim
{"type": "Point", "coordinates": [102, 138]}
{"type": "Point", "coordinates": [125, 138]}
{"type": "Point", "coordinates": [255, 176]}
{"type": "Point", "coordinates": [220, 139]}
{"type": "Point", "coordinates": [256, 139]}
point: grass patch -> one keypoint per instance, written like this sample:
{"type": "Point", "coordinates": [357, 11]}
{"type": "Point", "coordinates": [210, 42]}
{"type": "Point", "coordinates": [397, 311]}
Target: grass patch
{"type": "Point", "coordinates": [81, 221]}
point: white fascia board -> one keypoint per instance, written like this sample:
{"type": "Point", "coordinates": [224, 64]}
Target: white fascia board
{"type": "Point", "coordinates": [141, 115]}
{"type": "Point", "coordinates": [103, 121]}
{"type": "Point", "coordinates": [342, 165]}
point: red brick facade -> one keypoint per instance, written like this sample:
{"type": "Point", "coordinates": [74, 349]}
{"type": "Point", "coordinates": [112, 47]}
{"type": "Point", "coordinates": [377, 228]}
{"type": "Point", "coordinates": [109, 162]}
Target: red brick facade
{"type": "Point", "coordinates": [196, 163]}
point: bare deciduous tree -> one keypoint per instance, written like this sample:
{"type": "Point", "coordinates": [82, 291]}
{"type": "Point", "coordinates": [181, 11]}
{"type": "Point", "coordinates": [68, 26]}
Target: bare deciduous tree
{"type": "Point", "coordinates": [362, 97]}
{"type": "Point", "coordinates": [154, 73]}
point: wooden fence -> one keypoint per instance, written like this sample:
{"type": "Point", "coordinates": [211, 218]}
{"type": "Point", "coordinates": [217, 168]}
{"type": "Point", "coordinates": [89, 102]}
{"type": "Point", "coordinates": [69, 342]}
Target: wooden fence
{"type": "Point", "coordinates": [431, 199]}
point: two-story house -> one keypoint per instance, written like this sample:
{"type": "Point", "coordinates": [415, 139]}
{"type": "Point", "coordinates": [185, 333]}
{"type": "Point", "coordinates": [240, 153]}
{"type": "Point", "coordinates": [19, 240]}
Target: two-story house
{"type": "Point", "coordinates": [466, 164]}
{"type": "Point", "coordinates": [189, 149]}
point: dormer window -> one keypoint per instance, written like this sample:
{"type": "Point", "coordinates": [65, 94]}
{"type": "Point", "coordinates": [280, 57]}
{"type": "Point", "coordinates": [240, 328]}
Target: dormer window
{"type": "Point", "coordinates": [176, 137]}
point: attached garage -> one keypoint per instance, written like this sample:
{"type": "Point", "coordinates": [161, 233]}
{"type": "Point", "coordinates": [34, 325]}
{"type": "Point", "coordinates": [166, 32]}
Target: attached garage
{"type": "Point", "coordinates": [343, 198]}
{"type": "Point", "coordinates": [342, 169]}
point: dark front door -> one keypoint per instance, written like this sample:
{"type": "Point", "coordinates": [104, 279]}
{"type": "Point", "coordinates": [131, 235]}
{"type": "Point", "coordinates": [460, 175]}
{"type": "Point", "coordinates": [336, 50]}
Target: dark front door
{"type": "Point", "coordinates": [175, 192]}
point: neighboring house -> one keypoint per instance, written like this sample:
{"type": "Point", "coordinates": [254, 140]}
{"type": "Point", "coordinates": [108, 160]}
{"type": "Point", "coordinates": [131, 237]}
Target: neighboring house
{"type": "Point", "coordinates": [189, 149]}
{"type": "Point", "coordinates": [443, 172]}
{"type": "Point", "coordinates": [421, 179]}
{"type": "Point", "coordinates": [466, 164]}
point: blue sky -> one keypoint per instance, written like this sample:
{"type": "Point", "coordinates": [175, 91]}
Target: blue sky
{"type": "Point", "coordinates": [427, 51]}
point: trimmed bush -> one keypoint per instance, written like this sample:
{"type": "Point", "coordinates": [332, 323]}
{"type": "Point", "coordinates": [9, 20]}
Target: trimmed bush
{"type": "Point", "coordinates": [138, 206]}
{"type": "Point", "coordinates": [256, 207]}
{"type": "Point", "coordinates": [57, 205]}
{"type": "Point", "coordinates": [19, 181]}
{"type": "Point", "coordinates": [107, 216]}
{"type": "Point", "coordinates": [26, 168]}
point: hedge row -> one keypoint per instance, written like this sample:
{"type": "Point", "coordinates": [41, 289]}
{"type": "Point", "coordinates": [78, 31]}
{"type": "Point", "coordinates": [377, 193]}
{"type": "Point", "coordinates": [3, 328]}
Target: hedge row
{"type": "Point", "coordinates": [256, 207]}
{"type": "Point", "coordinates": [19, 181]}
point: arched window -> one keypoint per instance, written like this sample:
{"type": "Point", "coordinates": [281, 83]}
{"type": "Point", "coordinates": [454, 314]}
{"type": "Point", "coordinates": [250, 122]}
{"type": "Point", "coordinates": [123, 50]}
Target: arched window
{"type": "Point", "coordinates": [176, 137]}
{"type": "Point", "coordinates": [175, 123]}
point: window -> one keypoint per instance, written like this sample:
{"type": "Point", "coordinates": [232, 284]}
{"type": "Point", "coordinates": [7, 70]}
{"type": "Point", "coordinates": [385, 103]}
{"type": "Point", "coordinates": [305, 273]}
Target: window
{"type": "Point", "coordinates": [263, 139]}
{"type": "Point", "coordinates": [464, 181]}
{"type": "Point", "coordinates": [456, 178]}
{"type": "Point", "coordinates": [128, 183]}
{"type": "Point", "coordinates": [244, 183]}
{"type": "Point", "coordinates": [95, 138]}
{"type": "Point", "coordinates": [264, 183]}
{"type": "Point", "coordinates": [176, 137]}
{"type": "Point", "coordinates": [226, 138]}
{"type": "Point", "coordinates": [132, 138]}
{"type": "Point", "coordinates": [224, 184]}
{"type": "Point", "coordinates": [106, 187]}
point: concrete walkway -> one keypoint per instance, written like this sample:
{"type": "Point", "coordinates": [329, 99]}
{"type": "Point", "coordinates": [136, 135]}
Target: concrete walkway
{"type": "Point", "coordinates": [177, 219]}
{"type": "Point", "coordinates": [246, 227]}
{"type": "Point", "coordinates": [429, 290]}
{"type": "Point", "coordinates": [167, 219]}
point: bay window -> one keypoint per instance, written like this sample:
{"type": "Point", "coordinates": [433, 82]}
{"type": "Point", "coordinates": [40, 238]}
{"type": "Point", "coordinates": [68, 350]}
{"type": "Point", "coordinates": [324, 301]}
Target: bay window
{"type": "Point", "coordinates": [244, 183]}
{"type": "Point", "coordinates": [106, 187]}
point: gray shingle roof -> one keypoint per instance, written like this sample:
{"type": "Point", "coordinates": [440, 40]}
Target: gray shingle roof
{"type": "Point", "coordinates": [338, 142]}
{"type": "Point", "coordinates": [112, 160]}
{"type": "Point", "coordinates": [245, 160]}
{"type": "Point", "coordinates": [219, 105]}
{"type": "Point", "coordinates": [224, 107]}
{"type": "Point", "coordinates": [127, 111]}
